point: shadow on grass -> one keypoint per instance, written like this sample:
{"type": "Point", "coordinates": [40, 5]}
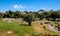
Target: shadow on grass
{"type": "Point", "coordinates": [24, 25]}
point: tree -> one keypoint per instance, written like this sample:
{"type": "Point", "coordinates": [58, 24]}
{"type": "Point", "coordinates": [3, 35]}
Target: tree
{"type": "Point", "coordinates": [41, 16]}
{"type": "Point", "coordinates": [9, 14]}
{"type": "Point", "coordinates": [46, 15]}
{"type": "Point", "coordinates": [29, 18]}
{"type": "Point", "coordinates": [17, 14]}
{"type": "Point", "coordinates": [54, 15]}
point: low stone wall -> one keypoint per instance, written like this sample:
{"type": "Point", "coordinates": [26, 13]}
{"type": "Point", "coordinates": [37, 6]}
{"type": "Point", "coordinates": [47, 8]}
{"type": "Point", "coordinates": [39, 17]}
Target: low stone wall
{"type": "Point", "coordinates": [12, 19]}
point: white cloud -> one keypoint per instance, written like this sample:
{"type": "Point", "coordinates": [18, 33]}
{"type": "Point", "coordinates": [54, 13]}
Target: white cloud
{"type": "Point", "coordinates": [15, 6]}
{"type": "Point", "coordinates": [21, 7]}
{"type": "Point", "coordinates": [18, 6]}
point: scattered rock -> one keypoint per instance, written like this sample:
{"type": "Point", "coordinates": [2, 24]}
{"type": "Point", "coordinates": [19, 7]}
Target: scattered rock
{"type": "Point", "coordinates": [9, 32]}
{"type": "Point", "coordinates": [47, 22]}
{"type": "Point", "coordinates": [41, 23]}
{"type": "Point", "coordinates": [44, 27]}
{"type": "Point", "coordinates": [51, 24]}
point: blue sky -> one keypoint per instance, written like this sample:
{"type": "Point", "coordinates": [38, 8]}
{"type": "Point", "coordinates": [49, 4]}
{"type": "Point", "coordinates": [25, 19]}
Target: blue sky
{"type": "Point", "coordinates": [30, 5]}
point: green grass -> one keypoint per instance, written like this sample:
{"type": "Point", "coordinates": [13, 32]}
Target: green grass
{"type": "Point", "coordinates": [20, 30]}
{"type": "Point", "coordinates": [16, 28]}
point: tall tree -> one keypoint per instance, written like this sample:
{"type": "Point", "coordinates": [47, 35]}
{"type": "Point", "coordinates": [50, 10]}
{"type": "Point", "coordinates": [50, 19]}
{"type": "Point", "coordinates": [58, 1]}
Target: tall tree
{"type": "Point", "coordinates": [29, 18]}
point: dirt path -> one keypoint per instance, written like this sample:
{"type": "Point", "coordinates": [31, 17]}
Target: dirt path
{"type": "Point", "coordinates": [38, 28]}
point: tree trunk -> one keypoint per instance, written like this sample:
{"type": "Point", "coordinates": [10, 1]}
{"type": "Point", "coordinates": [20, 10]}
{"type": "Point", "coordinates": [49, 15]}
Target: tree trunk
{"type": "Point", "coordinates": [41, 18]}
{"type": "Point", "coordinates": [29, 23]}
